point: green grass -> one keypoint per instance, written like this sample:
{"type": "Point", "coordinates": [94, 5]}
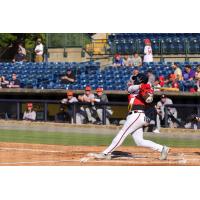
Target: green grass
{"type": "Point", "coordinates": [57, 138]}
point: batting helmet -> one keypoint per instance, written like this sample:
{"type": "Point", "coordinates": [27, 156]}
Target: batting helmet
{"type": "Point", "coordinates": [140, 78]}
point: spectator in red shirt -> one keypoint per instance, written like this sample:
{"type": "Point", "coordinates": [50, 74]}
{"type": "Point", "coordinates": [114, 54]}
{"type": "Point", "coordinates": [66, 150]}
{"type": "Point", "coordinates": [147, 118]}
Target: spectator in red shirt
{"type": "Point", "coordinates": [162, 80]}
{"type": "Point", "coordinates": [118, 61]}
{"type": "Point", "coordinates": [172, 83]}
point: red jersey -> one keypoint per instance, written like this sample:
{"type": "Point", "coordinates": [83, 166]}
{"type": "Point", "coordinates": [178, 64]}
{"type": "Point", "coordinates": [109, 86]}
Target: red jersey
{"type": "Point", "coordinates": [139, 99]}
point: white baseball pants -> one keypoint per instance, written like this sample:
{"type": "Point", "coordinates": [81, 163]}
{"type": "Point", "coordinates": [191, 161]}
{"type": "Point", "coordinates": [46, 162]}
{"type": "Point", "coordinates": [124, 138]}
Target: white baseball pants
{"type": "Point", "coordinates": [133, 125]}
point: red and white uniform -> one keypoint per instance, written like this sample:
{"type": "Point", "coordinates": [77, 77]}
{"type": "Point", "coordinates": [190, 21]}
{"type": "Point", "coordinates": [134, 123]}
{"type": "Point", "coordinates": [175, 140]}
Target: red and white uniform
{"type": "Point", "coordinates": [148, 55]}
{"type": "Point", "coordinates": [135, 121]}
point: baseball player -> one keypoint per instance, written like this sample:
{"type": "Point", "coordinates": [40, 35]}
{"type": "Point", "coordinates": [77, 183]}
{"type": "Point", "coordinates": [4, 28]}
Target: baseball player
{"type": "Point", "coordinates": [148, 55]}
{"type": "Point", "coordinates": [192, 121]}
{"type": "Point", "coordinates": [160, 107]}
{"type": "Point", "coordinates": [88, 97]}
{"type": "Point", "coordinates": [135, 120]}
{"type": "Point", "coordinates": [101, 97]}
{"type": "Point", "coordinates": [80, 115]}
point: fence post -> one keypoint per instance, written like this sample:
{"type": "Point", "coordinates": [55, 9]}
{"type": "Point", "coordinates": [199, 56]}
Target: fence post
{"type": "Point", "coordinates": [198, 114]}
{"type": "Point", "coordinates": [104, 115]}
{"type": "Point", "coordinates": [45, 111]}
{"type": "Point", "coordinates": [18, 111]}
{"type": "Point", "coordinates": [74, 113]}
{"type": "Point", "coordinates": [166, 116]}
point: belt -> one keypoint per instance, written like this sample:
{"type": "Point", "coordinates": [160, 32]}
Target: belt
{"type": "Point", "coordinates": [135, 111]}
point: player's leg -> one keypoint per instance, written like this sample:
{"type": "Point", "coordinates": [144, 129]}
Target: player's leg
{"type": "Point", "coordinates": [108, 115]}
{"type": "Point", "coordinates": [79, 118]}
{"type": "Point", "coordinates": [140, 141]}
{"type": "Point", "coordinates": [158, 124]}
{"type": "Point", "coordinates": [133, 122]}
{"type": "Point", "coordinates": [100, 115]}
{"type": "Point", "coordinates": [89, 115]}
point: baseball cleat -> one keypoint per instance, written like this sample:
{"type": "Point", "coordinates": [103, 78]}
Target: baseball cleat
{"type": "Point", "coordinates": [100, 156]}
{"type": "Point", "coordinates": [156, 131]}
{"type": "Point", "coordinates": [164, 153]}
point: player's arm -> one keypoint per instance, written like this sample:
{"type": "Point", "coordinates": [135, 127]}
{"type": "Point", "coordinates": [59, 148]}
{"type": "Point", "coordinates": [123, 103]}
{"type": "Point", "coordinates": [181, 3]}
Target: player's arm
{"type": "Point", "coordinates": [133, 88]}
{"type": "Point", "coordinates": [146, 92]}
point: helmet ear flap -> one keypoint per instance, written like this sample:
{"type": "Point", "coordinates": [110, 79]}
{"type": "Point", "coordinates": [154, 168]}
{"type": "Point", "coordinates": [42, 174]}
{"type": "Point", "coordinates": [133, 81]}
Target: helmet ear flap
{"type": "Point", "coordinates": [140, 78]}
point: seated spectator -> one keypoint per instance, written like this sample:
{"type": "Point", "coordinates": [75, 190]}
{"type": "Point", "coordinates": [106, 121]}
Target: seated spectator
{"type": "Point", "coordinates": [156, 85]}
{"type": "Point", "coordinates": [197, 77]}
{"type": "Point", "coordinates": [136, 60]}
{"type": "Point", "coordinates": [118, 61]}
{"type": "Point", "coordinates": [100, 97]}
{"type": "Point", "coordinates": [151, 77]}
{"type": "Point", "coordinates": [172, 82]}
{"type": "Point", "coordinates": [188, 79]}
{"type": "Point", "coordinates": [19, 57]}
{"type": "Point", "coordinates": [134, 75]}
{"type": "Point", "coordinates": [177, 72]}
{"type": "Point", "coordinates": [80, 115]}
{"type": "Point", "coordinates": [3, 82]}
{"type": "Point", "coordinates": [68, 78]}
{"type": "Point", "coordinates": [14, 83]}
{"type": "Point", "coordinates": [90, 110]}
{"type": "Point", "coordinates": [29, 113]}
{"type": "Point", "coordinates": [62, 116]}
{"type": "Point", "coordinates": [162, 80]}
{"type": "Point", "coordinates": [188, 73]}
{"type": "Point", "coordinates": [126, 61]}
{"type": "Point", "coordinates": [160, 116]}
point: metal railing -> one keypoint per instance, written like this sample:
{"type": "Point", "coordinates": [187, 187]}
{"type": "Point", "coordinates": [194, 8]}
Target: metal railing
{"type": "Point", "coordinates": [160, 47]}
{"type": "Point", "coordinates": [184, 111]}
{"type": "Point", "coordinates": [15, 107]}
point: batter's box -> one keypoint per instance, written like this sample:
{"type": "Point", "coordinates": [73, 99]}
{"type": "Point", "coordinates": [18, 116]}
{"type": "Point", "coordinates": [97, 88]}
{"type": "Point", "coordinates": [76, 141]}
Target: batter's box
{"type": "Point", "coordinates": [120, 155]}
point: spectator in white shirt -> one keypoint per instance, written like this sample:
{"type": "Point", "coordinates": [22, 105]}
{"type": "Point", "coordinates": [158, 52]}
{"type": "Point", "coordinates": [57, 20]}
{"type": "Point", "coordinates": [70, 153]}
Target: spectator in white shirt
{"type": "Point", "coordinates": [136, 61]}
{"type": "Point", "coordinates": [156, 85]}
{"type": "Point", "coordinates": [39, 50]}
{"type": "Point", "coordinates": [148, 55]}
{"type": "Point", "coordinates": [151, 77]}
{"type": "Point", "coordinates": [29, 113]}
{"type": "Point", "coordinates": [126, 61]}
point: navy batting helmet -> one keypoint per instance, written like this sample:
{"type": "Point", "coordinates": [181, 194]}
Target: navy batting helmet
{"type": "Point", "coordinates": [140, 78]}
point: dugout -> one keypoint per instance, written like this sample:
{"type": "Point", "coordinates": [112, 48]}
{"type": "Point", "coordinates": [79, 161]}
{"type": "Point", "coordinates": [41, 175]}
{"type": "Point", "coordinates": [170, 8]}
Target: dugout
{"type": "Point", "coordinates": [10, 97]}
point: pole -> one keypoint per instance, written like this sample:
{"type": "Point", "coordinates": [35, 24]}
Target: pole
{"type": "Point", "coordinates": [198, 114]}
{"type": "Point", "coordinates": [18, 111]}
{"type": "Point", "coordinates": [74, 113]}
{"type": "Point", "coordinates": [104, 115]}
{"type": "Point", "coordinates": [45, 111]}
{"type": "Point", "coordinates": [166, 116]}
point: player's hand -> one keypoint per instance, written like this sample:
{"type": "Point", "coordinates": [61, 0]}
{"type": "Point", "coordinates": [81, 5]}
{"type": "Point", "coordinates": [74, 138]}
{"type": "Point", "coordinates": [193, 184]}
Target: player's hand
{"type": "Point", "coordinates": [64, 101]}
{"type": "Point", "coordinates": [80, 98]}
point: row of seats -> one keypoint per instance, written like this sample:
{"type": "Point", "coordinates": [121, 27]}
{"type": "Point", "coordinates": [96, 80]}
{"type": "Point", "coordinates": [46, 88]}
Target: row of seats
{"type": "Point", "coordinates": [161, 43]}
{"type": "Point", "coordinates": [40, 76]}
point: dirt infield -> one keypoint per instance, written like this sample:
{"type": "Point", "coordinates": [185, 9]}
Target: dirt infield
{"type": "Point", "coordinates": [17, 154]}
